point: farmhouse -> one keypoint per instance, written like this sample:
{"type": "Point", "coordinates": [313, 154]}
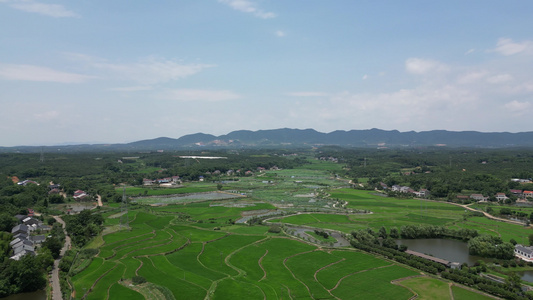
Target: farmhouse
{"type": "Point", "coordinates": [528, 194]}
{"type": "Point", "coordinates": [478, 197]}
{"type": "Point", "coordinates": [80, 195]}
{"type": "Point", "coordinates": [523, 252]}
{"type": "Point", "coordinates": [501, 197]}
{"type": "Point", "coordinates": [147, 181]}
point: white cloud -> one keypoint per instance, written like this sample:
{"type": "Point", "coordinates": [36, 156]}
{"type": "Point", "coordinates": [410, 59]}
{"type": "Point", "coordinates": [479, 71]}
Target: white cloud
{"type": "Point", "coordinates": [46, 116]}
{"type": "Point", "coordinates": [508, 47]}
{"type": "Point", "coordinates": [131, 89]}
{"type": "Point", "coordinates": [518, 107]}
{"type": "Point", "coordinates": [471, 77]}
{"type": "Point", "coordinates": [280, 33]}
{"type": "Point", "coordinates": [51, 10]}
{"type": "Point", "coordinates": [199, 95]}
{"type": "Point", "coordinates": [365, 77]}
{"type": "Point", "coordinates": [500, 78]}
{"type": "Point", "coordinates": [248, 7]}
{"type": "Point", "coordinates": [423, 66]}
{"type": "Point", "coordinates": [470, 51]}
{"type": "Point", "coordinates": [307, 94]}
{"type": "Point", "coordinates": [36, 73]}
{"type": "Point", "coordinates": [147, 71]}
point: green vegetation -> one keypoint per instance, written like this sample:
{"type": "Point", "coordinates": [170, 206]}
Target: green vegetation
{"type": "Point", "coordinates": [187, 240]}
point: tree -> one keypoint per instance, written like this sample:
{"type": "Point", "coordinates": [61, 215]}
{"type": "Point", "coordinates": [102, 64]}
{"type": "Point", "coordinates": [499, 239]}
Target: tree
{"type": "Point", "coordinates": [513, 281]}
{"type": "Point", "coordinates": [394, 233]}
{"type": "Point", "coordinates": [382, 232]}
{"type": "Point", "coordinates": [7, 222]}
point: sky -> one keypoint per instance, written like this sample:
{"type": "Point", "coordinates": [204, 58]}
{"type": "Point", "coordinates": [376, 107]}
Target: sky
{"type": "Point", "coordinates": [92, 71]}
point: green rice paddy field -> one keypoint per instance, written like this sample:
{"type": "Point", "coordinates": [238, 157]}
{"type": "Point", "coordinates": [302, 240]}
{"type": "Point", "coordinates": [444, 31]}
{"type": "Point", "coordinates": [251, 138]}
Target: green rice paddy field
{"type": "Point", "coordinates": [392, 212]}
{"type": "Point", "coordinates": [194, 250]}
{"type": "Point", "coordinates": [185, 260]}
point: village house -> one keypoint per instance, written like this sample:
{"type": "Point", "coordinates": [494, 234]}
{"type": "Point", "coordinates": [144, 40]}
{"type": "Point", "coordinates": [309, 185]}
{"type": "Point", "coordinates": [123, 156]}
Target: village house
{"type": "Point", "coordinates": [501, 197]}
{"type": "Point", "coordinates": [478, 197]}
{"type": "Point", "coordinates": [423, 193]}
{"type": "Point", "coordinates": [147, 181]}
{"type": "Point", "coordinates": [528, 194]}
{"type": "Point", "coordinates": [401, 189]}
{"type": "Point", "coordinates": [517, 193]}
{"type": "Point", "coordinates": [524, 252]}
{"type": "Point", "coordinates": [80, 195]}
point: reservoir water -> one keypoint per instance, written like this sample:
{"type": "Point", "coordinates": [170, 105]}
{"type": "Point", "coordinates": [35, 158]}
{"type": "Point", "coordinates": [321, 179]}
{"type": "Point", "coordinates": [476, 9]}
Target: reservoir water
{"type": "Point", "coordinates": [39, 295]}
{"type": "Point", "coordinates": [451, 250]}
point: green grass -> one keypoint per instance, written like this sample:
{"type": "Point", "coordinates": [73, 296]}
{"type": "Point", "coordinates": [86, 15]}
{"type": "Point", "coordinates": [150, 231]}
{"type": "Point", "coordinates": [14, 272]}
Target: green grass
{"type": "Point", "coordinates": [428, 288]}
{"type": "Point", "coordinates": [463, 294]}
{"type": "Point", "coordinates": [348, 262]}
{"type": "Point", "coordinates": [364, 285]}
{"type": "Point", "coordinates": [120, 292]}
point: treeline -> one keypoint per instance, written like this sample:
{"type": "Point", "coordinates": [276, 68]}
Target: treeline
{"type": "Point", "coordinates": [25, 275]}
{"type": "Point", "coordinates": [83, 226]}
{"type": "Point", "coordinates": [99, 172]}
{"type": "Point", "coordinates": [445, 172]}
{"type": "Point", "coordinates": [511, 289]}
{"type": "Point", "coordinates": [433, 231]}
{"type": "Point", "coordinates": [490, 246]}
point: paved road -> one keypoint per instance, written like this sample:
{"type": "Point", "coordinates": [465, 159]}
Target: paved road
{"type": "Point", "coordinates": [54, 280]}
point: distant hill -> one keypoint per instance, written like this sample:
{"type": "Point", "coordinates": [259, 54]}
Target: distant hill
{"type": "Point", "coordinates": [286, 137]}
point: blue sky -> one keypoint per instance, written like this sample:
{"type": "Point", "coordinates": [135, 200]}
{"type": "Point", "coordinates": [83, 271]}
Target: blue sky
{"type": "Point", "coordinates": [119, 71]}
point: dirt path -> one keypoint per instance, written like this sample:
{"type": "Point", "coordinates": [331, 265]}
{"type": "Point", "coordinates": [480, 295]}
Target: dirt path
{"type": "Point", "coordinates": [261, 265]}
{"type": "Point", "coordinates": [99, 200]}
{"type": "Point", "coordinates": [54, 279]}
{"type": "Point", "coordinates": [486, 214]}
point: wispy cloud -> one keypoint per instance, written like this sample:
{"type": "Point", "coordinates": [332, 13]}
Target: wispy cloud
{"type": "Point", "coordinates": [147, 71]}
{"type": "Point", "coordinates": [280, 33]}
{"type": "Point", "coordinates": [131, 89]}
{"type": "Point", "coordinates": [37, 73]}
{"type": "Point", "coordinates": [307, 94]}
{"type": "Point", "coordinates": [423, 66]}
{"type": "Point", "coordinates": [248, 7]}
{"type": "Point", "coordinates": [199, 95]}
{"type": "Point", "coordinates": [507, 47]}
{"type": "Point", "coordinates": [51, 10]}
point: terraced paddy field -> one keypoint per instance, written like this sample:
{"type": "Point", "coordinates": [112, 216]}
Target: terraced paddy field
{"type": "Point", "coordinates": [180, 260]}
{"type": "Point", "coordinates": [382, 211]}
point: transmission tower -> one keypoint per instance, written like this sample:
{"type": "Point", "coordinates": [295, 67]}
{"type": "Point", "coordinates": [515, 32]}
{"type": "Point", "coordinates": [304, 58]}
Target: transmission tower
{"type": "Point", "coordinates": [42, 155]}
{"type": "Point", "coordinates": [124, 210]}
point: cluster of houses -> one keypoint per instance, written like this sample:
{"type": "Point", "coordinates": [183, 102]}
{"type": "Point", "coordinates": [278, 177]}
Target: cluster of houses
{"type": "Point", "coordinates": [25, 238]}
{"type": "Point", "coordinates": [170, 181]}
{"type": "Point", "coordinates": [422, 193]}
{"type": "Point", "coordinates": [500, 197]}
{"type": "Point", "coordinates": [162, 181]}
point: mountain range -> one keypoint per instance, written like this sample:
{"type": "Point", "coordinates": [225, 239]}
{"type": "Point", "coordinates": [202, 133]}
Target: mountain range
{"type": "Point", "coordinates": [294, 138]}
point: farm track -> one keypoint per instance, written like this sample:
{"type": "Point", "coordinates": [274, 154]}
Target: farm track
{"type": "Point", "coordinates": [261, 266]}
{"type": "Point", "coordinates": [415, 294]}
{"type": "Point", "coordinates": [96, 282]}
{"type": "Point", "coordinates": [340, 280]}
{"type": "Point", "coordinates": [294, 276]}
{"type": "Point", "coordinates": [327, 266]}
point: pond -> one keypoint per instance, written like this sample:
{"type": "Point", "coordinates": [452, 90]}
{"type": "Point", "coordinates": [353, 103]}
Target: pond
{"type": "Point", "coordinates": [38, 295]}
{"type": "Point", "coordinates": [448, 249]}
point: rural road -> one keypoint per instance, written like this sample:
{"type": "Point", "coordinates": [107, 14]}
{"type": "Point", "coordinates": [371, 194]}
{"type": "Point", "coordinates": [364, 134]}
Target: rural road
{"type": "Point", "coordinates": [54, 280]}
